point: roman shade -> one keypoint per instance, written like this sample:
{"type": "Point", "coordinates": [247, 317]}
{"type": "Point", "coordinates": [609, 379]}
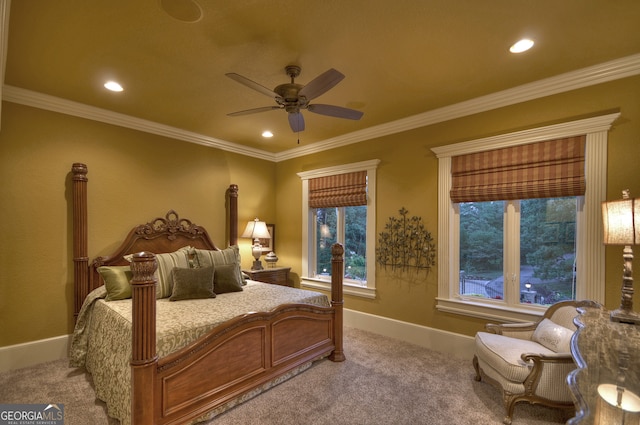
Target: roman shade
{"type": "Point", "coordinates": [548, 169]}
{"type": "Point", "coordinates": [339, 190]}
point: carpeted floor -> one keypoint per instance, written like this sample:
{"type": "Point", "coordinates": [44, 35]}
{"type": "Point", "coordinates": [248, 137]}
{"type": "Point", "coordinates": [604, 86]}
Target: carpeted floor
{"type": "Point", "coordinates": [383, 381]}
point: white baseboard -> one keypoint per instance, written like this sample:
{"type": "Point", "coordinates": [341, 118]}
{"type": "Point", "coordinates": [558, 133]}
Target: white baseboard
{"type": "Point", "coordinates": [31, 353]}
{"type": "Point", "coordinates": [460, 346]}
{"type": "Point", "coordinates": [50, 349]}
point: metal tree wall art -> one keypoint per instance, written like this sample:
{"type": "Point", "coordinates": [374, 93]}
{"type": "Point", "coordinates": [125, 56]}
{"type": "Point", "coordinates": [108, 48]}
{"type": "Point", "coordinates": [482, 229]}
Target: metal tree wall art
{"type": "Point", "coordinates": [405, 244]}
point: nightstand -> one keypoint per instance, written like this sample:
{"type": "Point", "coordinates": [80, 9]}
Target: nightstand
{"type": "Point", "coordinates": [276, 275]}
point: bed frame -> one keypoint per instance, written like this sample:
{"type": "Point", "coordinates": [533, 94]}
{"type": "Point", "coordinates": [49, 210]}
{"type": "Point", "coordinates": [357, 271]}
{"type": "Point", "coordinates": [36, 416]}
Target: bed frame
{"type": "Point", "coordinates": [201, 377]}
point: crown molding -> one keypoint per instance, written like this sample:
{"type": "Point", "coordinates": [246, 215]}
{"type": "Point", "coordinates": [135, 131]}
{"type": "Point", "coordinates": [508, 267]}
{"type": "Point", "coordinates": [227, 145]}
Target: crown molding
{"type": "Point", "coordinates": [68, 107]}
{"type": "Point", "coordinates": [597, 74]}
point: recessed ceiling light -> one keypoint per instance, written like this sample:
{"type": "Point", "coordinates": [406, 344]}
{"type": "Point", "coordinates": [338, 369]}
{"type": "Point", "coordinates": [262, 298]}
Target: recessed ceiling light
{"type": "Point", "coordinates": [113, 86]}
{"type": "Point", "coordinates": [521, 46]}
{"type": "Point", "coordinates": [182, 10]}
{"type": "Point", "coordinates": [267, 133]}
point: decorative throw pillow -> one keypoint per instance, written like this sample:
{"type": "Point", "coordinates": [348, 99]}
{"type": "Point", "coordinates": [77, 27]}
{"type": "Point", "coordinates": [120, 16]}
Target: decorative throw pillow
{"type": "Point", "coordinates": [192, 283]}
{"type": "Point", "coordinates": [553, 336]}
{"type": "Point", "coordinates": [166, 263]}
{"type": "Point", "coordinates": [226, 279]}
{"type": "Point", "coordinates": [230, 255]}
{"type": "Point", "coordinates": [117, 281]}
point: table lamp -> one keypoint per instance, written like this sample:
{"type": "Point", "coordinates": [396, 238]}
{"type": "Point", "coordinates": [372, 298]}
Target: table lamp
{"type": "Point", "coordinates": [616, 404]}
{"type": "Point", "coordinates": [620, 228]}
{"type": "Point", "coordinates": [256, 230]}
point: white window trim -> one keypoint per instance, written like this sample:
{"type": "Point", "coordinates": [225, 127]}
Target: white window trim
{"type": "Point", "coordinates": [591, 271]}
{"type": "Point", "coordinates": [351, 289]}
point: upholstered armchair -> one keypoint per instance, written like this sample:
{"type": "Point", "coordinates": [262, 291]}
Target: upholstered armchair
{"type": "Point", "coordinates": [530, 361]}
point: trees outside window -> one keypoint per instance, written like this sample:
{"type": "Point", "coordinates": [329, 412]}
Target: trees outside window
{"type": "Point", "coordinates": [540, 246]}
{"type": "Point", "coordinates": [331, 224]}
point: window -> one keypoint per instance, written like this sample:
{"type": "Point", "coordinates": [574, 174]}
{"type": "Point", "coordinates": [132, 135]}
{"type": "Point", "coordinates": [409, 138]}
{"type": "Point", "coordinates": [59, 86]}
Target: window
{"type": "Point", "coordinates": [519, 234]}
{"type": "Point", "coordinates": [541, 246]}
{"type": "Point", "coordinates": [348, 225]}
{"type": "Point", "coordinates": [338, 205]}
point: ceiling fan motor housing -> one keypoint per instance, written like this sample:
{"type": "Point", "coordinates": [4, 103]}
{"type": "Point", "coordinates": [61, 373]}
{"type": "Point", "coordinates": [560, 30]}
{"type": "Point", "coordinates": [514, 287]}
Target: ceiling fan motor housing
{"type": "Point", "coordinates": [289, 92]}
{"type": "Point", "coordinates": [288, 96]}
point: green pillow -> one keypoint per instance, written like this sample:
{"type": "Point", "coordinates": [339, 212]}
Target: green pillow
{"type": "Point", "coordinates": [166, 262]}
{"type": "Point", "coordinates": [216, 258]}
{"type": "Point", "coordinates": [117, 281]}
{"type": "Point", "coordinates": [191, 284]}
{"type": "Point", "coordinates": [226, 279]}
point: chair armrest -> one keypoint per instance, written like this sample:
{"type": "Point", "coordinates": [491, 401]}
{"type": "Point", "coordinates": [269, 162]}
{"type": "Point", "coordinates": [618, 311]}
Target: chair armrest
{"type": "Point", "coordinates": [513, 330]}
{"type": "Point", "coordinates": [547, 358]}
{"type": "Point", "coordinates": [538, 362]}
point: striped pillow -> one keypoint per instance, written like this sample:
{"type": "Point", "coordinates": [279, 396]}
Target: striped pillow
{"type": "Point", "coordinates": [166, 263]}
{"type": "Point", "coordinates": [231, 255]}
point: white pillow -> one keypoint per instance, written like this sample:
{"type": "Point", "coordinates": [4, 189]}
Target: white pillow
{"type": "Point", "coordinates": [553, 336]}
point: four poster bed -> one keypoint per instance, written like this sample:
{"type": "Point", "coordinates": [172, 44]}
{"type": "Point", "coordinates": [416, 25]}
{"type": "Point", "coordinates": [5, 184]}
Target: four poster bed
{"type": "Point", "coordinates": [191, 359]}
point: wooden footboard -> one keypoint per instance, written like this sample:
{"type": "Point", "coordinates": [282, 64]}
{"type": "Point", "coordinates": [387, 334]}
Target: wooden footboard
{"type": "Point", "coordinates": [232, 359]}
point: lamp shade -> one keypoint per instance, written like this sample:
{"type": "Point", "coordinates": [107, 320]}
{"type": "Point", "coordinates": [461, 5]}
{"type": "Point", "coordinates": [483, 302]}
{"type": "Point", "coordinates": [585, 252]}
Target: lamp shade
{"type": "Point", "coordinates": [256, 229]}
{"type": "Point", "coordinates": [619, 397]}
{"type": "Point", "coordinates": [618, 218]}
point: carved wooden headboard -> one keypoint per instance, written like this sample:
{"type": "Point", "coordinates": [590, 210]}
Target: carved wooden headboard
{"type": "Point", "coordinates": [160, 235]}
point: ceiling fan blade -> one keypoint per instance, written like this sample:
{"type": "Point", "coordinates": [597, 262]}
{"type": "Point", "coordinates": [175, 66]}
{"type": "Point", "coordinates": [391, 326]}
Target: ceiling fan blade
{"type": "Point", "coordinates": [252, 84]}
{"type": "Point", "coordinates": [254, 110]}
{"type": "Point", "coordinates": [335, 111]}
{"type": "Point", "coordinates": [296, 121]}
{"type": "Point", "coordinates": [321, 84]}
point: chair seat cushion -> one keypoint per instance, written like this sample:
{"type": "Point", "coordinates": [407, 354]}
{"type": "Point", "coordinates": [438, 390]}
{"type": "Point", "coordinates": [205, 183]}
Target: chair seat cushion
{"type": "Point", "coordinates": [504, 353]}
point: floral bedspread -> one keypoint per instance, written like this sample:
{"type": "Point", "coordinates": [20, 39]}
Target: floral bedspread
{"type": "Point", "coordinates": [102, 339]}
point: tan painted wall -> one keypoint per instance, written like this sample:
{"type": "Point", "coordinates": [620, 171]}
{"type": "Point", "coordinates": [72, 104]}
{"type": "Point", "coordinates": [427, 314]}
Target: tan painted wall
{"type": "Point", "coordinates": [407, 177]}
{"type": "Point", "coordinates": [38, 147]}
{"type": "Point", "coordinates": [133, 178]}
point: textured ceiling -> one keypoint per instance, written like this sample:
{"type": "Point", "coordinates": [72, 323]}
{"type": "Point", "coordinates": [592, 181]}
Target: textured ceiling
{"type": "Point", "coordinates": [400, 58]}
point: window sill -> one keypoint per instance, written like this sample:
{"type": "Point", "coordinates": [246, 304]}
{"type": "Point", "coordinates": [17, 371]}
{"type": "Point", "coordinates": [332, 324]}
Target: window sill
{"type": "Point", "coordinates": [497, 312]}
{"type": "Point", "coordinates": [347, 288]}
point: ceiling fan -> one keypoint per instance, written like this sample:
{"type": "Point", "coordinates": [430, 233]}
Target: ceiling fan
{"type": "Point", "coordinates": [293, 97]}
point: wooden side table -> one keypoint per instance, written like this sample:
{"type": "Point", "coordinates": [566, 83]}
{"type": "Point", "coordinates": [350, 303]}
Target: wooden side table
{"type": "Point", "coordinates": [276, 275]}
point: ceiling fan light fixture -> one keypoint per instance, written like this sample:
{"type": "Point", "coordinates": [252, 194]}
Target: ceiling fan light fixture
{"type": "Point", "coordinates": [521, 46]}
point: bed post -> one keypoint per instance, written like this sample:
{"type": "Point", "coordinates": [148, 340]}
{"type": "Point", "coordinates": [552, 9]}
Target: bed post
{"type": "Point", "coordinates": [233, 214]}
{"type": "Point", "coordinates": [337, 267]}
{"type": "Point", "coordinates": [143, 333]}
{"type": "Point", "coordinates": [80, 251]}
